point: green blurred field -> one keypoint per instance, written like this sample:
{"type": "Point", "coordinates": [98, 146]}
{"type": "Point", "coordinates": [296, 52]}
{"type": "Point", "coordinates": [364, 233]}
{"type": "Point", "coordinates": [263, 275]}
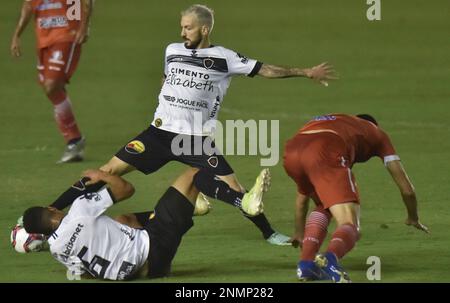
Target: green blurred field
{"type": "Point", "coordinates": [398, 69]}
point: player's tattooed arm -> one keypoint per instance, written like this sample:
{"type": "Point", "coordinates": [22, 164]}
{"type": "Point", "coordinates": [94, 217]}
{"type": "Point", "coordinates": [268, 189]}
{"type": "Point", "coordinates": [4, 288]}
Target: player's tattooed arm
{"type": "Point", "coordinates": [25, 17]}
{"type": "Point", "coordinates": [321, 73]}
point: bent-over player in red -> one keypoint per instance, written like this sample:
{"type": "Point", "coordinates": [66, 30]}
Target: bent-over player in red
{"type": "Point", "coordinates": [319, 159]}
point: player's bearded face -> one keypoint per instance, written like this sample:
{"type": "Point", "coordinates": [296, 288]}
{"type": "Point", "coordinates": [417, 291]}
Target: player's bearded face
{"type": "Point", "coordinates": [191, 31]}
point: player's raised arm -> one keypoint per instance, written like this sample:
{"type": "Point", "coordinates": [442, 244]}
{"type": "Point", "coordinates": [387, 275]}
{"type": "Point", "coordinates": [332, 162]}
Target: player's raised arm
{"type": "Point", "coordinates": [120, 188]}
{"type": "Point", "coordinates": [83, 32]}
{"type": "Point", "coordinates": [321, 73]}
{"type": "Point", "coordinates": [25, 16]}
{"type": "Point", "coordinates": [408, 193]}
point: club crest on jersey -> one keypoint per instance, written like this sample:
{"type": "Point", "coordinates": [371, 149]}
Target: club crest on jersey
{"type": "Point", "coordinates": [208, 63]}
{"type": "Point", "coordinates": [213, 161]}
{"type": "Point", "coordinates": [57, 57]}
{"type": "Point", "coordinates": [135, 147]}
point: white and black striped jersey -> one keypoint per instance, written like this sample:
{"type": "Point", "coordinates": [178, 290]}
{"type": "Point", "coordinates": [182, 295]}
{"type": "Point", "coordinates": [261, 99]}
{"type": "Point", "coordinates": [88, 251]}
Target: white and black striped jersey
{"type": "Point", "coordinates": [87, 241]}
{"type": "Point", "coordinates": [195, 84]}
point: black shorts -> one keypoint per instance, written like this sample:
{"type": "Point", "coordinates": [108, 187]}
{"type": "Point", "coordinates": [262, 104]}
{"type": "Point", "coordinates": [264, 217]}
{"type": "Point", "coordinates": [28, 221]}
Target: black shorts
{"type": "Point", "coordinates": [172, 218]}
{"type": "Point", "coordinates": [152, 149]}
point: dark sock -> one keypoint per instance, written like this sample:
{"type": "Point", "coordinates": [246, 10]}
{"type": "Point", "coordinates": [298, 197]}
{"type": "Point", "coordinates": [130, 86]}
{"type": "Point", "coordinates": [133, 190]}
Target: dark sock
{"type": "Point", "coordinates": [76, 190]}
{"type": "Point", "coordinates": [73, 141]}
{"type": "Point", "coordinates": [262, 223]}
{"type": "Point", "coordinates": [215, 188]}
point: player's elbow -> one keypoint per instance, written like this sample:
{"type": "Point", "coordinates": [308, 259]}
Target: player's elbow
{"type": "Point", "coordinates": [408, 192]}
{"type": "Point", "coordinates": [128, 191]}
{"type": "Point", "coordinates": [125, 191]}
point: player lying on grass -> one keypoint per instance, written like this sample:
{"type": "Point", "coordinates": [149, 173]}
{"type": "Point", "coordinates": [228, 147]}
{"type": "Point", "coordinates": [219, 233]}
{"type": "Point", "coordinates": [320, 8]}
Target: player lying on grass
{"type": "Point", "coordinates": [319, 159]}
{"type": "Point", "coordinates": [197, 75]}
{"type": "Point", "coordinates": [86, 241]}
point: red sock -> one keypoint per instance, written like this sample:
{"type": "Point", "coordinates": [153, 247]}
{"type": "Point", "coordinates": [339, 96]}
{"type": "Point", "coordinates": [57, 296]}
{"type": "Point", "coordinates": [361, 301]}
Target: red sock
{"type": "Point", "coordinates": [64, 116]}
{"type": "Point", "coordinates": [343, 240]}
{"type": "Point", "coordinates": [315, 233]}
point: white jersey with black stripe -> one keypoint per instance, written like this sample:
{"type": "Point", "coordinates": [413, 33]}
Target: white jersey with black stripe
{"type": "Point", "coordinates": [195, 84]}
{"type": "Point", "coordinates": [87, 241]}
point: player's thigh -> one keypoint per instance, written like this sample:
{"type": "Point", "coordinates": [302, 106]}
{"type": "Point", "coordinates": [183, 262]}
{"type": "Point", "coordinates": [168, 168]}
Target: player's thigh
{"type": "Point", "coordinates": [147, 152]}
{"type": "Point", "coordinates": [59, 61]}
{"type": "Point", "coordinates": [333, 184]}
{"type": "Point", "coordinates": [346, 213]}
{"type": "Point", "coordinates": [116, 166]}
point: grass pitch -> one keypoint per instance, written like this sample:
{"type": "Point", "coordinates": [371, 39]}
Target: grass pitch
{"type": "Point", "coordinates": [398, 69]}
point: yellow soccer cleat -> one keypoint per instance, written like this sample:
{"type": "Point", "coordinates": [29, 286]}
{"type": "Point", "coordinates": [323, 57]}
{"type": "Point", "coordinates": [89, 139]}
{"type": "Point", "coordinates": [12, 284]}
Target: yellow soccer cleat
{"type": "Point", "coordinates": [252, 202]}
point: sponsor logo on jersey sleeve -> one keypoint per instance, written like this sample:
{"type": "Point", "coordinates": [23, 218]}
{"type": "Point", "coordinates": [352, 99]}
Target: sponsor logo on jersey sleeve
{"type": "Point", "coordinates": [324, 118]}
{"type": "Point", "coordinates": [243, 58]}
{"type": "Point", "coordinates": [135, 147]}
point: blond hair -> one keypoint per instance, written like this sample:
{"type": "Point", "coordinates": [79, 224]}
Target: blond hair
{"type": "Point", "coordinates": [204, 14]}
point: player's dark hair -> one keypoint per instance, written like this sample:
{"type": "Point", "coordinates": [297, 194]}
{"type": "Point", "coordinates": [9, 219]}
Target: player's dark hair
{"type": "Point", "coordinates": [368, 118]}
{"type": "Point", "coordinates": [36, 220]}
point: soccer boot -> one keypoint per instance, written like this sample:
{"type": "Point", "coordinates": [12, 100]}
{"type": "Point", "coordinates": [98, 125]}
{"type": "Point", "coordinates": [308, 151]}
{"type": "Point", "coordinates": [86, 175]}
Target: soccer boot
{"type": "Point", "coordinates": [202, 205]}
{"type": "Point", "coordinates": [73, 152]}
{"type": "Point", "coordinates": [329, 264]}
{"type": "Point", "coordinates": [309, 271]}
{"type": "Point", "coordinates": [279, 239]}
{"type": "Point", "coordinates": [252, 202]}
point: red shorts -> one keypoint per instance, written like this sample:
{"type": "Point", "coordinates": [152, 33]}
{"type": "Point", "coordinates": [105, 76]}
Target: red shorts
{"type": "Point", "coordinates": [319, 165]}
{"type": "Point", "coordinates": [58, 61]}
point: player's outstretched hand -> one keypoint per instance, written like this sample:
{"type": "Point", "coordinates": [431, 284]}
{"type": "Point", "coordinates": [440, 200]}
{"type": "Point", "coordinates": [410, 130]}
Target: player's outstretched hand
{"type": "Point", "coordinates": [296, 241]}
{"type": "Point", "coordinates": [95, 175]}
{"type": "Point", "coordinates": [322, 73]}
{"type": "Point", "coordinates": [417, 224]}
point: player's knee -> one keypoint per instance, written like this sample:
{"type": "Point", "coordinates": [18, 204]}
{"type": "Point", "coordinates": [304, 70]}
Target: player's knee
{"type": "Point", "coordinates": [52, 86]}
{"type": "Point", "coordinates": [353, 227]}
{"type": "Point", "coordinates": [203, 180]}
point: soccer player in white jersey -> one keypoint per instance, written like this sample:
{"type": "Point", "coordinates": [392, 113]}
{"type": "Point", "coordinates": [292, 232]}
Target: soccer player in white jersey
{"type": "Point", "coordinates": [90, 243]}
{"type": "Point", "coordinates": [197, 76]}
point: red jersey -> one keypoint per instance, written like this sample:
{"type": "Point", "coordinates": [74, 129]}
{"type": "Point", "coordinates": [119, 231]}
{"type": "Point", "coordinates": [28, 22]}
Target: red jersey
{"type": "Point", "coordinates": [52, 24]}
{"type": "Point", "coordinates": [362, 138]}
